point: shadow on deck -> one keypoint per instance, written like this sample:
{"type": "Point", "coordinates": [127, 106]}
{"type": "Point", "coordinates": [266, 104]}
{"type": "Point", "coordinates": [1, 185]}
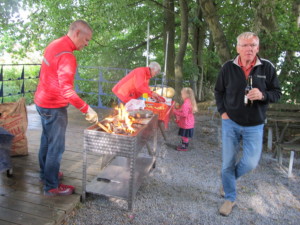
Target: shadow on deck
{"type": "Point", "coordinates": [21, 197]}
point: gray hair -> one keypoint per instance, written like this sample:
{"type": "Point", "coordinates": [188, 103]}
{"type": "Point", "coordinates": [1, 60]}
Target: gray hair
{"type": "Point", "coordinates": [247, 35]}
{"type": "Point", "coordinates": [155, 67]}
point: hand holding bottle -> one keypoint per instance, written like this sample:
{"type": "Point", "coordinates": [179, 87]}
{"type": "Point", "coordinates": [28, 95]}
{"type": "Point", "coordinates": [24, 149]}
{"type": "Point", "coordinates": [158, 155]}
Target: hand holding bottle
{"type": "Point", "coordinates": [255, 94]}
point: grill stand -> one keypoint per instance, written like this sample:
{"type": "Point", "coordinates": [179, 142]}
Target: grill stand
{"type": "Point", "coordinates": [123, 176]}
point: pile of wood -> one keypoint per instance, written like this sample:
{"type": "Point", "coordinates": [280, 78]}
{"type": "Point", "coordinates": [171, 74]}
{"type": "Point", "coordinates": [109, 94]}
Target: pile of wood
{"type": "Point", "coordinates": [116, 126]}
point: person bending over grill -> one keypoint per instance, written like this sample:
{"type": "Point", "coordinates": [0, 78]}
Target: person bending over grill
{"type": "Point", "coordinates": [134, 84]}
{"type": "Point", "coordinates": [54, 94]}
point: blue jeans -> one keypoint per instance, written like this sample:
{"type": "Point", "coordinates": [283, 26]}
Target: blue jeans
{"type": "Point", "coordinates": [232, 134]}
{"type": "Point", "coordinates": [54, 123]}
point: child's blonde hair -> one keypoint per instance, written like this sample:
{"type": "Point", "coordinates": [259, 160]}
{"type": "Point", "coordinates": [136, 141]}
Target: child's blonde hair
{"type": "Point", "coordinates": [190, 94]}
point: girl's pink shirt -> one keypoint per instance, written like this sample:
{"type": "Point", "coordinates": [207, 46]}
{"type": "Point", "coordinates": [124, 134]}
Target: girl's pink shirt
{"type": "Point", "coordinates": [185, 115]}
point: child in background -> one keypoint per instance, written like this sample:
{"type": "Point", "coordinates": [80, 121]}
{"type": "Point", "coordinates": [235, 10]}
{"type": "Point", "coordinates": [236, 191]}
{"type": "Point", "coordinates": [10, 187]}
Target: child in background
{"type": "Point", "coordinates": [185, 118]}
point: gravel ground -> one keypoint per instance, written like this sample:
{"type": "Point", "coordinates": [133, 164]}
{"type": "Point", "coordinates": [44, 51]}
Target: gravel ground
{"type": "Point", "coordinates": [183, 189]}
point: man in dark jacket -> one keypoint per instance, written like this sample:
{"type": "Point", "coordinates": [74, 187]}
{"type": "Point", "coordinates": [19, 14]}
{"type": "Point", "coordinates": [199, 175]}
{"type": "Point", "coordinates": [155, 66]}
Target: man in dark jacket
{"type": "Point", "coordinates": [244, 88]}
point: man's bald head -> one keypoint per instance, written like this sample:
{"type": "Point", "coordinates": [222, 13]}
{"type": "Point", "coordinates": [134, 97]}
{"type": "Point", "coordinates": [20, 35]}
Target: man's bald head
{"type": "Point", "coordinates": [79, 24]}
{"type": "Point", "coordinates": [80, 33]}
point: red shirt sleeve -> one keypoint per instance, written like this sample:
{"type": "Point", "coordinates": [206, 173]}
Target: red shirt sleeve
{"type": "Point", "coordinates": [66, 71]}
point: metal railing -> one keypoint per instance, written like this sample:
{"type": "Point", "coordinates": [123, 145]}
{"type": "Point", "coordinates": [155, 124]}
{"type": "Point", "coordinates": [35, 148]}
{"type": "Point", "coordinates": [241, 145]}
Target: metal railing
{"type": "Point", "coordinates": [15, 81]}
{"type": "Point", "coordinates": [92, 83]}
{"type": "Point", "coordinates": [96, 83]}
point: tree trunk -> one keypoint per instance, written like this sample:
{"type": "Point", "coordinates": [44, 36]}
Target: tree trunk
{"type": "Point", "coordinates": [169, 28]}
{"type": "Point", "coordinates": [182, 48]}
{"type": "Point", "coordinates": [289, 55]}
{"type": "Point", "coordinates": [288, 71]}
{"type": "Point", "coordinates": [199, 36]}
{"type": "Point", "coordinates": [210, 14]}
{"type": "Point", "coordinates": [296, 11]}
{"type": "Point", "coordinates": [265, 24]}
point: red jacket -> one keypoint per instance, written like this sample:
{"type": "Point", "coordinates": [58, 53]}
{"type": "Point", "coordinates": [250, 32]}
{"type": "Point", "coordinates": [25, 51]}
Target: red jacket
{"type": "Point", "coordinates": [184, 115]}
{"type": "Point", "coordinates": [133, 85]}
{"type": "Point", "coordinates": [55, 88]}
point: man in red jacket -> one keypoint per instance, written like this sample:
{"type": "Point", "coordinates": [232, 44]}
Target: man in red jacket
{"type": "Point", "coordinates": [134, 84]}
{"type": "Point", "coordinates": [54, 93]}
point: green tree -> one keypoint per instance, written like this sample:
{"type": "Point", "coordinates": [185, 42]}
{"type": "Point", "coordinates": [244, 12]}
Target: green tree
{"type": "Point", "coordinates": [202, 34]}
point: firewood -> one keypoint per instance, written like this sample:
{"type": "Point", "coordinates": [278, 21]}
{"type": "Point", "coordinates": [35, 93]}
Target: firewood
{"type": "Point", "coordinates": [103, 127]}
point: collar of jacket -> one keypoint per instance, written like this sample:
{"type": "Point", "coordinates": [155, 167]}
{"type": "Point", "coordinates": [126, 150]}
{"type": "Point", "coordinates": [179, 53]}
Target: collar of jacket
{"type": "Point", "coordinates": [70, 43]}
{"type": "Point", "coordinates": [236, 61]}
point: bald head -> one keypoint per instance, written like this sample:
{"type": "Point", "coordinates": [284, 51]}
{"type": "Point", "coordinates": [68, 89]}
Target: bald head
{"type": "Point", "coordinates": [80, 33]}
{"type": "Point", "coordinates": [79, 24]}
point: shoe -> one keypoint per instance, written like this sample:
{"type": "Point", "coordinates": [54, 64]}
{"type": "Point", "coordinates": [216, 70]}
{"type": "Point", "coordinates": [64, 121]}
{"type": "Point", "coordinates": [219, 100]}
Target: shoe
{"type": "Point", "coordinates": [60, 191]}
{"type": "Point", "coordinates": [222, 192]}
{"type": "Point", "coordinates": [182, 147]}
{"type": "Point", "coordinates": [226, 208]}
{"type": "Point", "coordinates": [67, 186]}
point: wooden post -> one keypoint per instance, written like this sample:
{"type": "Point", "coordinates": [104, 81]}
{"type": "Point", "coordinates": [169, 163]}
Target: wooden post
{"type": "Point", "coordinates": [291, 164]}
{"type": "Point", "coordinates": [270, 138]}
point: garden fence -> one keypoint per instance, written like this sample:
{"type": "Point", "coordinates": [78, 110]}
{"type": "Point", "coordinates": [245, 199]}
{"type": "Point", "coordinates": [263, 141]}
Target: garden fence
{"type": "Point", "coordinates": [92, 83]}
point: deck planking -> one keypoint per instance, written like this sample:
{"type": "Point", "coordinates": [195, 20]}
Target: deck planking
{"type": "Point", "coordinates": [21, 197]}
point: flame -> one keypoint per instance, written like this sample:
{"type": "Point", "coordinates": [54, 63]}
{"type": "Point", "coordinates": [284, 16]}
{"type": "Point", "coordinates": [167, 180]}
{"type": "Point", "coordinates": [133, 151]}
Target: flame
{"type": "Point", "coordinates": [123, 115]}
{"type": "Point", "coordinates": [124, 121]}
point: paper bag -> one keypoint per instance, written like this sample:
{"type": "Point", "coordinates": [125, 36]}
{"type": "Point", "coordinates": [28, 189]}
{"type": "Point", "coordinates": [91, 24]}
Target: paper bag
{"type": "Point", "coordinates": [13, 118]}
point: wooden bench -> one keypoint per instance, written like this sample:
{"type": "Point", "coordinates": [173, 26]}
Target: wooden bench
{"type": "Point", "coordinates": [292, 148]}
{"type": "Point", "coordinates": [278, 115]}
{"type": "Point", "coordinates": [284, 120]}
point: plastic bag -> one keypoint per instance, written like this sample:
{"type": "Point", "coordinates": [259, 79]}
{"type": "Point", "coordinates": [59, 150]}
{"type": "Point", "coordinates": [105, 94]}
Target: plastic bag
{"type": "Point", "coordinates": [135, 104]}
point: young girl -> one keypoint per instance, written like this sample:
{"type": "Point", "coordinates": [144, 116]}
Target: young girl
{"type": "Point", "coordinates": [185, 118]}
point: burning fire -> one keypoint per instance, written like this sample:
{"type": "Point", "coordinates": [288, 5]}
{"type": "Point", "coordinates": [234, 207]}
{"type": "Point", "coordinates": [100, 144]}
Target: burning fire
{"type": "Point", "coordinates": [123, 115]}
{"type": "Point", "coordinates": [121, 123]}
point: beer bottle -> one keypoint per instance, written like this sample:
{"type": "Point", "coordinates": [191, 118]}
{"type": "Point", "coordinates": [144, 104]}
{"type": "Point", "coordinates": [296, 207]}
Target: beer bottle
{"type": "Point", "coordinates": [247, 89]}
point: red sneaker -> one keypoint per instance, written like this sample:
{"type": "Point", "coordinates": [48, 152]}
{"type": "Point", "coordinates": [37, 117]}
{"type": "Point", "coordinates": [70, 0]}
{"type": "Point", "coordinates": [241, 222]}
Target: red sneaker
{"type": "Point", "coordinates": [182, 147]}
{"type": "Point", "coordinates": [67, 186]}
{"type": "Point", "coordinates": [58, 191]}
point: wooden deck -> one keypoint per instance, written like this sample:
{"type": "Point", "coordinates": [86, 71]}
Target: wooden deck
{"type": "Point", "coordinates": [21, 197]}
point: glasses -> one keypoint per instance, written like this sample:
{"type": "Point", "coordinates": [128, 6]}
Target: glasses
{"type": "Point", "coordinates": [248, 45]}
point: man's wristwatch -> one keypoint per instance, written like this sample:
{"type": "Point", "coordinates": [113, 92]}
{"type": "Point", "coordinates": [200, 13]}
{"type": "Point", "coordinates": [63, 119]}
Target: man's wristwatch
{"type": "Point", "coordinates": [262, 97]}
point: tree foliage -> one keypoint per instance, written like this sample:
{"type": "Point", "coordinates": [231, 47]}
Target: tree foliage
{"type": "Point", "coordinates": [120, 32]}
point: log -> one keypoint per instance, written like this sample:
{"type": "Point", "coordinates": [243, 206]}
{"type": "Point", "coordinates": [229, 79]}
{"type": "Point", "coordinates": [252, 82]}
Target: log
{"type": "Point", "coordinates": [103, 127]}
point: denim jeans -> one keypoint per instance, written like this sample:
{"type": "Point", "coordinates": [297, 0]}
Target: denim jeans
{"type": "Point", "coordinates": [54, 123]}
{"type": "Point", "coordinates": [232, 169]}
